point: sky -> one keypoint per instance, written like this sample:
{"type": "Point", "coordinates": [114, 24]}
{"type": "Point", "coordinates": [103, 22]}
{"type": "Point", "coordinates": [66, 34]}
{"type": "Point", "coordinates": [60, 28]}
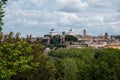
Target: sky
{"type": "Point", "coordinates": [38, 17]}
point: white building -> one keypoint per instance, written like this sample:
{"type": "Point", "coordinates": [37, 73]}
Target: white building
{"type": "Point", "coordinates": [53, 33]}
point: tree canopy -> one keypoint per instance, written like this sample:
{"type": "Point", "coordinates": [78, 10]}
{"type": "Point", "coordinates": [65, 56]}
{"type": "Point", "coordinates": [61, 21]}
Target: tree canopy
{"type": "Point", "coordinates": [70, 38]}
{"type": "Point", "coordinates": [89, 64]}
{"type": "Point", "coordinates": [2, 6]}
{"type": "Point", "coordinates": [21, 59]}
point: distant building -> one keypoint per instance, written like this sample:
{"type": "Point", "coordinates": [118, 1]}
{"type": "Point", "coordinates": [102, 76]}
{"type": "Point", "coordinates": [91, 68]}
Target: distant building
{"type": "Point", "coordinates": [70, 32]}
{"type": "Point", "coordinates": [106, 36]}
{"type": "Point", "coordinates": [84, 32]}
{"type": "Point", "coordinates": [46, 51]}
{"type": "Point", "coordinates": [113, 46]}
{"type": "Point", "coordinates": [83, 40]}
{"type": "Point", "coordinates": [53, 33]}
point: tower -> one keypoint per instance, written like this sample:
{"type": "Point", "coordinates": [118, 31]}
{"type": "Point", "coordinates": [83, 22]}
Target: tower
{"type": "Point", "coordinates": [106, 36]}
{"type": "Point", "coordinates": [84, 32]}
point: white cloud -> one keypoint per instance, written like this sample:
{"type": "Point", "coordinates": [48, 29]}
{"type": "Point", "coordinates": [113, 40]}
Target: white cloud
{"type": "Point", "coordinates": [108, 4]}
{"type": "Point", "coordinates": [71, 5]}
{"type": "Point", "coordinates": [38, 16]}
{"type": "Point", "coordinates": [66, 18]}
{"type": "Point", "coordinates": [100, 18]}
{"type": "Point", "coordinates": [37, 2]}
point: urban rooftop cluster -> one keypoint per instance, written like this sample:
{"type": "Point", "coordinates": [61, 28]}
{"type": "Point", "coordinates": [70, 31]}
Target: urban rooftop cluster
{"type": "Point", "coordinates": [70, 39]}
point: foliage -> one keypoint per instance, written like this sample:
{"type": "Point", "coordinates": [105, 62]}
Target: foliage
{"type": "Point", "coordinates": [60, 68]}
{"type": "Point", "coordinates": [89, 64]}
{"type": "Point", "coordinates": [108, 64]}
{"type": "Point", "coordinates": [2, 5]}
{"type": "Point", "coordinates": [116, 36]}
{"type": "Point", "coordinates": [14, 58]}
{"type": "Point", "coordinates": [70, 69]}
{"type": "Point", "coordinates": [70, 38]}
{"type": "Point", "coordinates": [55, 39]}
{"type": "Point", "coordinates": [73, 53]}
{"type": "Point", "coordinates": [60, 45]}
{"type": "Point", "coordinates": [23, 59]}
{"type": "Point", "coordinates": [44, 70]}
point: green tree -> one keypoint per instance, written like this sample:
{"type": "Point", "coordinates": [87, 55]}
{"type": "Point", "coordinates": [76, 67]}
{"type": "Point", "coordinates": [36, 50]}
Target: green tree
{"type": "Point", "coordinates": [55, 39]}
{"type": "Point", "coordinates": [42, 69]}
{"type": "Point", "coordinates": [42, 66]}
{"type": "Point", "coordinates": [2, 6]}
{"type": "Point", "coordinates": [14, 58]}
{"type": "Point", "coordinates": [70, 69]}
{"type": "Point", "coordinates": [70, 38]}
{"type": "Point", "coordinates": [116, 36]}
{"type": "Point", "coordinates": [23, 59]}
{"type": "Point", "coordinates": [109, 62]}
{"type": "Point", "coordinates": [60, 68]}
{"type": "Point", "coordinates": [77, 62]}
{"type": "Point", "coordinates": [83, 53]}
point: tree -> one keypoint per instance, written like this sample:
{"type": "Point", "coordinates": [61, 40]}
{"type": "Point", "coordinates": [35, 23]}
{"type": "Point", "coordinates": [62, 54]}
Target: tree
{"type": "Point", "coordinates": [2, 6]}
{"type": "Point", "coordinates": [60, 69]}
{"type": "Point", "coordinates": [83, 53]}
{"type": "Point", "coordinates": [71, 69]}
{"type": "Point", "coordinates": [116, 36]}
{"type": "Point", "coordinates": [109, 64]}
{"type": "Point", "coordinates": [42, 66]}
{"type": "Point", "coordinates": [43, 69]}
{"type": "Point", "coordinates": [14, 58]}
{"type": "Point", "coordinates": [22, 60]}
{"type": "Point", "coordinates": [77, 62]}
{"type": "Point", "coordinates": [55, 39]}
{"type": "Point", "coordinates": [70, 38]}
{"type": "Point", "coordinates": [89, 64]}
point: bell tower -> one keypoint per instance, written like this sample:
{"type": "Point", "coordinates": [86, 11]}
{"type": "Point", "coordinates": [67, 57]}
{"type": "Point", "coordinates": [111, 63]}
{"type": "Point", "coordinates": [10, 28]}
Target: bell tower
{"type": "Point", "coordinates": [84, 32]}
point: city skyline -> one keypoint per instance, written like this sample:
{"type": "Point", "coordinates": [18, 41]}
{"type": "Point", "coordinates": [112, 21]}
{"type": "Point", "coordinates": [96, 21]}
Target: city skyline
{"type": "Point", "coordinates": [37, 17]}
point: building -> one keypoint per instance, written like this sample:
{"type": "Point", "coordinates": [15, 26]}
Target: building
{"type": "Point", "coordinates": [53, 33]}
{"type": "Point", "coordinates": [70, 32]}
{"type": "Point", "coordinates": [83, 40]}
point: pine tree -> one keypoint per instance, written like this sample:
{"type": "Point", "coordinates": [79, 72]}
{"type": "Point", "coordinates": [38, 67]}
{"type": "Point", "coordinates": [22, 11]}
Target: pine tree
{"type": "Point", "coordinates": [2, 6]}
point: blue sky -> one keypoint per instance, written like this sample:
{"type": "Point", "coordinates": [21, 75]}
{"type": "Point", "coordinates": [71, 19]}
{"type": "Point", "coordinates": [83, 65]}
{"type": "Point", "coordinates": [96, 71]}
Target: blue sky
{"type": "Point", "coordinates": [37, 17]}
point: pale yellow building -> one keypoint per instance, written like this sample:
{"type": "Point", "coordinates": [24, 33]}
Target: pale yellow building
{"type": "Point", "coordinates": [113, 46]}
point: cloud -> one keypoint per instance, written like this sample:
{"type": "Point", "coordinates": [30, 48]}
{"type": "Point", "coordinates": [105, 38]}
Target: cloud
{"type": "Point", "coordinates": [37, 17]}
{"type": "Point", "coordinates": [37, 2]}
{"type": "Point", "coordinates": [71, 5]}
{"type": "Point", "coordinates": [104, 4]}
